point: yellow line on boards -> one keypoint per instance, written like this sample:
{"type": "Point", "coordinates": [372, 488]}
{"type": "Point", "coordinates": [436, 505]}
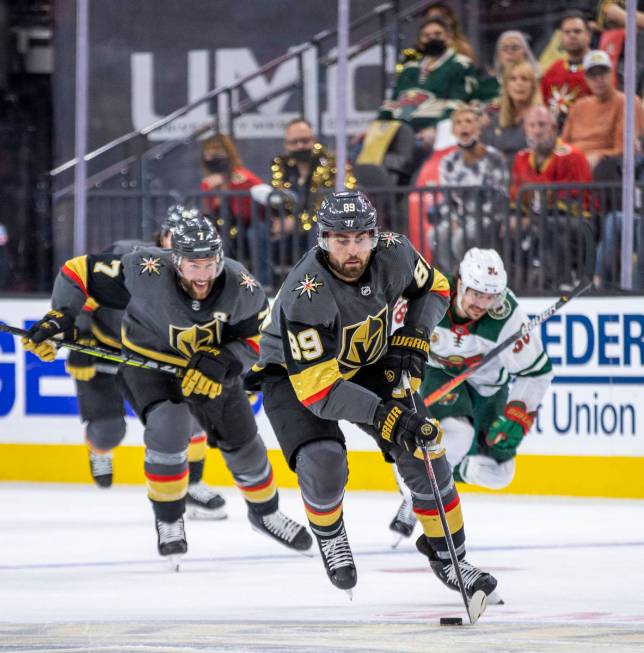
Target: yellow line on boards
{"type": "Point", "coordinates": [590, 476]}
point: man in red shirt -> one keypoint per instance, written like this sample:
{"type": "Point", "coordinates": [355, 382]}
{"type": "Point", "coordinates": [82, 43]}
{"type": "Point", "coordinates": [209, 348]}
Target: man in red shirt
{"type": "Point", "coordinates": [547, 159]}
{"type": "Point", "coordinates": [564, 81]}
{"type": "Point", "coordinates": [547, 222]}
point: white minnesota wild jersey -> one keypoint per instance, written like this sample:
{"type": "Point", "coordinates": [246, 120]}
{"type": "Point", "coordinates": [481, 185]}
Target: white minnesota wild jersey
{"type": "Point", "coordinates": [456, 344]}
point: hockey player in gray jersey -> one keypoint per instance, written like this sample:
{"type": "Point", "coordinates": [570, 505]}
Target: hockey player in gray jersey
{"type": "Point", "coordinates": [485, 419]}
{"type": "Point", "coordinates": [100, 400]}
{"type": "Point", "coordinates": [192, 308]}
{"type": "Point", "coordinates": [326, 355]}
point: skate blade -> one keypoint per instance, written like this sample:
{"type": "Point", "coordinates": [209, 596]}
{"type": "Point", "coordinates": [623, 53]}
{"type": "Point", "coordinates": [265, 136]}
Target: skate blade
{"type": "Point", "coordinates": [478, 603]}
{"type": "Point", "coordinates": [204, 514]}
{"type": "Point", "coordinates": [495, 599]}
{"type": "Point", "coordinates": [398, 538]}
{"type": "Point", "coordinates": [349, 594]}
{"type": "Point", "coordinates": [175, 562]}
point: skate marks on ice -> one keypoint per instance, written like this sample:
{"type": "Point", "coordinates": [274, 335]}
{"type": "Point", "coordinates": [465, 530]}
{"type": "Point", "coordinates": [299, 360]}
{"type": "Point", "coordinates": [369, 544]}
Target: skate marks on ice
{"type": "Point", "coordinates": [318, 637]}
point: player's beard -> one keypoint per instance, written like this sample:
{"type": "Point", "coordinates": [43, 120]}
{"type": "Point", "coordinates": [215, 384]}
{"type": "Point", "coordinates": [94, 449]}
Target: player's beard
{"type": "Point", "coordinates": [197, 290]}
{"type": "Point", "coordinates": [350, 270]}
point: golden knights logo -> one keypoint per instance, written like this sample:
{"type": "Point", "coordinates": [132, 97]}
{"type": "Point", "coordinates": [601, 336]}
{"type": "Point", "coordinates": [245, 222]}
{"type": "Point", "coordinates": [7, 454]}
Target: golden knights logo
{"type": "Point", "coordinates": [248, 282]}
{"type": "Point", "coordinates": [151, 265]}
{"type": "Point", "coordinates": [364, 342]}
{"type": "Point", "coordinates": [187, 340]}
{"type": "Point", "coordinates": [308, 286]}
{"type": "Point", "coordinates": [390, 238]}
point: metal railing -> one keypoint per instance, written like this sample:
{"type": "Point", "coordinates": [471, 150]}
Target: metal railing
{"type": "Point", "coordinates": [389, 16]}
{"type": "Point", "coordinates": [537, 233]}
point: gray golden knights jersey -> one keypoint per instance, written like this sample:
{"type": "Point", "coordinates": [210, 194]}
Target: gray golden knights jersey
{"type": "Point", "coordinates": [457, 344]}
{"type": "Point", "coordinates": [325, 330]}
{"type": "Point", "coordinates": [101, 322]}
{"type": "Point", "coordinates": [161, 321]}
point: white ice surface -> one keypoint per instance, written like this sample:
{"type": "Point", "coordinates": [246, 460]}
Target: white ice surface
{"type": "Point", "coordinates": [79, 571]}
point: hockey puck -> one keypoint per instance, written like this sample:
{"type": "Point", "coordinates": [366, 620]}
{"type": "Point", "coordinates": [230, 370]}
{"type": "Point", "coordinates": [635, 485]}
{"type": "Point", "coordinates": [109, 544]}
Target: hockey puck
{"type": "Point", "coordinates": [451, 621]}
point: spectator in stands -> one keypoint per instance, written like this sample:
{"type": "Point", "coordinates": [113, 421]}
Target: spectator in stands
{"type": "Point", "coordinates": [609, 256]}
{"type": "Point", "coordinates": [458, 41]}
{"type": "Point", "coordinates": [471, 216]}
{"type": "Point", "coordinates": [543, 217]}
{"type": "Point", "coordinates": [564, 81]}
{"type": "Point", "coordinates": [303, 175]}
{"type": "Point", "coordinates": [611, 22]}
{"type": "Point", "coordinates": [511, 49]}
{"type": "Point", "coordinates": [519, 91]}
{"type": "Point", "coordinates": [433, 80]}
{"type": "Point", "coordinates": [241, 222]}
{"type": "Point", "coordinates": [595, 124]}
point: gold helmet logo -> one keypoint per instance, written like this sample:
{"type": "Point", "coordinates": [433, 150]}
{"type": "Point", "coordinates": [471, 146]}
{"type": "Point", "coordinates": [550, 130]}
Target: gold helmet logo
{"type": "Point", "coordinates": [390, 375]}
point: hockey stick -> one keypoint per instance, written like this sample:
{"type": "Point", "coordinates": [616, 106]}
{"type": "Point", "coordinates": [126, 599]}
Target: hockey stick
{"type": "Point", "coordinates": [475, 606]}
{"type": "Point", "coordinates": [105, 354]}
{"type": "Point", "coordinates": [584, 284]}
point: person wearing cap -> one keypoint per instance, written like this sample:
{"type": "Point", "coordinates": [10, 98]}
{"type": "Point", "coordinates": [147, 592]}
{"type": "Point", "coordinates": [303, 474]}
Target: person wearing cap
{"type": "Point", "coordinates": [600, 138]}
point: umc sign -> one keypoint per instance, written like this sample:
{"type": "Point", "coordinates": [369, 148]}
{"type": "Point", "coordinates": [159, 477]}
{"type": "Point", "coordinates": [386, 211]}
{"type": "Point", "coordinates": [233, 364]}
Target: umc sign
{"type": "Point", "coordinates": [233, 64]}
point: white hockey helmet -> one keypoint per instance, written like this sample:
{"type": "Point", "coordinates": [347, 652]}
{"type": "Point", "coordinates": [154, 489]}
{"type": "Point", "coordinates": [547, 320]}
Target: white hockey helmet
{"type": "Point", "coordinates": [483, 270]}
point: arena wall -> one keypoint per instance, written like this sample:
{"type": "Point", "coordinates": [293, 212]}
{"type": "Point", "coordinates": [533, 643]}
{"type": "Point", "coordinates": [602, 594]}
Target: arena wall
{"type": "Point", "coordinates": [587, 440]}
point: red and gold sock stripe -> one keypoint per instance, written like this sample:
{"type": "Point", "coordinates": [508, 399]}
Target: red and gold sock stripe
{"type": "Point", "coordinates": [261, 492]}
{"type": "Point", "coordinates": [325, 518]}
{"type": "Point", "coordinates": [167, 488]}
{"type": "Point", "coordinates": [431, 522]}
{"type": "Point", "coordinates": [197, 448]}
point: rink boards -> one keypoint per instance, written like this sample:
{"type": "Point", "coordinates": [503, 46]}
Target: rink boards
{"type": "Point", "coordinates": [587, 440]}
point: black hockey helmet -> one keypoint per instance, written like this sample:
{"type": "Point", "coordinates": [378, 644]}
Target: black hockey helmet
{"type": "Point", "coordinates": [174, 215]}
{"type": "Point", "coordinates": [197, 238]}
{"type": "Point", "coordinates": [346, 211]}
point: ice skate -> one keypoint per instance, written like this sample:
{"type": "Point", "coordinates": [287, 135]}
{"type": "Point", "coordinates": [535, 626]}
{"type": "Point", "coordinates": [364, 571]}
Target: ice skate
{"type": "Point", "coordinates": [283, 529]}
{"type": "Point", "coordinates": [204, 503]}
{"type": "Point", "coordinates": [403, 522]}
{"type": "Point", "coordinates": [171, 541]}
{"type": "Point", "coordinates": [100, 465]}
{"type": "Point", "coordinates": [473, 578]}
{"type": "Point", "coordinates": [338, 560]}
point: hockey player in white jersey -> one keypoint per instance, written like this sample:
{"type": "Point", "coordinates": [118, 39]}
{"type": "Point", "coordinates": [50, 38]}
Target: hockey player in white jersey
{"type": "Point", "coordinates": [485, 419]}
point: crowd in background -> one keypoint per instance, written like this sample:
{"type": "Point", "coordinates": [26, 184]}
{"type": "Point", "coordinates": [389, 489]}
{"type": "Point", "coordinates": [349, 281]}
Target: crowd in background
{"type": "Point", "coordinates": [449, 154]}
{"type": "Point", "coordinates": [473, 136]}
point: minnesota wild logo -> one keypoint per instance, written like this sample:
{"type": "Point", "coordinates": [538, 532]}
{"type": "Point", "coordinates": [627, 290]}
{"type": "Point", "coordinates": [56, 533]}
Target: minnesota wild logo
{"type": "Point", "coordinates": [364, 342]}
{"type": "Point", "coordinates": [501, 312]}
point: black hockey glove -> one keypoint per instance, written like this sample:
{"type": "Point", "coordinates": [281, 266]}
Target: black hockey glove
{"type": "Point", "coordinates": [400, 425]}
{"type": "Point", "coordinates": [207, 370]}
{"type": "Point", "coordinates": [54, 322]}
{"type": "Point", "coordinates": [407, 352]}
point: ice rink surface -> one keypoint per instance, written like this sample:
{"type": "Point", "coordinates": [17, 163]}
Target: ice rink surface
{"type": "Point", "coordinates": [79, 571]}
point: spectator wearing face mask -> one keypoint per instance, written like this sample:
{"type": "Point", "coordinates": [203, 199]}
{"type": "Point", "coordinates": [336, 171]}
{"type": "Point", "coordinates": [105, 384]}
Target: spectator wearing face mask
{"type": "Point", "coordinates": [470, 215]}
{"type": "Point", "coordinates": [300, 177]}
{"type": "Point", "coordinates": [431, 83]}
{"type": "Point", "coordinates": [239, 220]}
